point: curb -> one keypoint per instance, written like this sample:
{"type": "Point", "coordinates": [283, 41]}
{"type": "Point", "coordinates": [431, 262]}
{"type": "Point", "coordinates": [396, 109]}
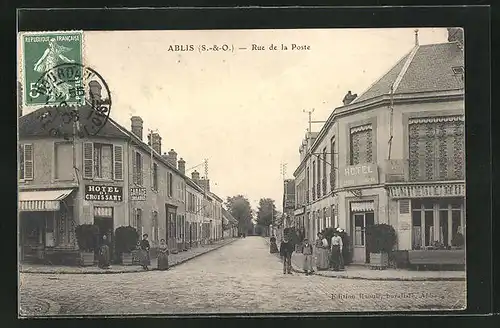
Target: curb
{"type": "Point", "coordinates": [138, 270]}
{"type": "Point", "coordinates": [297, 270]}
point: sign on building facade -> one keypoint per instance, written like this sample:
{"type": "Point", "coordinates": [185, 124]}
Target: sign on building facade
{"type": "Point", "coordinates": [103, 193]}
{"type": "Point", "coordinates": [358, 175]}
{"type": "Point", "coordinates": [137, 194]}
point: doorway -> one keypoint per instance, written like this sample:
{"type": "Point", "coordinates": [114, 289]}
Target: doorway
{"type": "Point", "coordinates": [360, 221]}
{"type": "Point", "coordinates": [105, 225]}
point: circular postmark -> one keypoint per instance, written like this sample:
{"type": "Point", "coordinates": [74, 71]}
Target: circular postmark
{"type": "Point", "coordinates": [78, 101]}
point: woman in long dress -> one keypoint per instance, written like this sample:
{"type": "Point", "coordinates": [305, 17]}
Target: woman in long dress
{"type": "Point", "coordinates": [104, 256]}
{"type": "Point", "coordinates": [273, 247]}
{"type": "Point", "coordinates": [163, 256]}
{"type": "Point", "coordinates": [321, 252]}
{"type": "Point", "coordinates": [145, 261]}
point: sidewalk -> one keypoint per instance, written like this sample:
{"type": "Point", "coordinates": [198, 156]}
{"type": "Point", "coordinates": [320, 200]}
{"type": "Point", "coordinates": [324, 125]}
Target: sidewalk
{"type": "Point", "coordinates": [363, 272]}
{"type": "Point", "coordinates": [173, 260]}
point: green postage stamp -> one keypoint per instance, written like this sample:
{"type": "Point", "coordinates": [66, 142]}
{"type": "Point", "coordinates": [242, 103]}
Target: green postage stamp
{"type": "Point", "coordinates": [43, 52]}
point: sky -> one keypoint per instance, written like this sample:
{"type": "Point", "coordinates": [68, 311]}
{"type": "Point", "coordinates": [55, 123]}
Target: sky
{"type": "Point", "coordinates": [241, 110]}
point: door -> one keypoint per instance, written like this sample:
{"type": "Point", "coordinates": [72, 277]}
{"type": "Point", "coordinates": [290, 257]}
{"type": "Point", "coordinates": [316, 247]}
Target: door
{"type": "Point", "coordinates": [360, 221]}
{"type": "Point", "coordinates": [105, 225]}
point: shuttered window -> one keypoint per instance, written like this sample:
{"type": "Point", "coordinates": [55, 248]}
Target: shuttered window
{"type": "Point", "coordinates": [118, 162]}
{"type": "Point", "coordinates": [88, 160]}
{"type": "Point", "coordinates": [137, 168]}
{"type": "Point", "coordinates": [26, 162]}
{"type": "Point", "coordinates": [332, 166]}
{"type": "Point", "coordinates": [361, 145]}
{"type": "Point", "coordinates": [436, 148]}
{"type": "Point", "coordinates": [155, 176]}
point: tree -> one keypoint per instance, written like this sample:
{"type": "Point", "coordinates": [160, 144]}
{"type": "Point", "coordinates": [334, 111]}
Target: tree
{"type": "Point", "coordinates": [240, 209]}
{"type": "Point", "coordinates": [266, 213]}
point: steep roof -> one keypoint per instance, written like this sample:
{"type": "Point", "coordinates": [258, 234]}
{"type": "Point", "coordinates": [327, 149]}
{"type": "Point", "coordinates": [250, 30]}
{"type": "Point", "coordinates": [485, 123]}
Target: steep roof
{"type": "Point", "coordinates": [426, 68]}
{"type": "Point", "coordinates": [228, 215]}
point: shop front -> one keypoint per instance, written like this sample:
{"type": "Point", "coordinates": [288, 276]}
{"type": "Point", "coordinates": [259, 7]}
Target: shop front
{"type": "Point", "coordinates": [362, 215]}
{"type": "Point", "coordinates": [46, 223]}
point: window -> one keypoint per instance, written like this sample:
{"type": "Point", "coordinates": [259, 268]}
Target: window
{"type": "Point", "coordinates": [436, 222]}
{"type": "Point", "coordinates": [155, 233]}
{"type": "Point", "coordinates": [436, 148]}
{"type": "Point", "coordinates": [138, 168]}
{"type": "Point", "coordinates": [138, 221]}
{"type": "Point", "coordinates": [170, 184]}
{"type": "Point", "coordinates": [103, 161]}
{"type": "Point", "coordinates": [324, 218]}
{"type": "Point", "coordinates": [307, 185]}
{"type": "Point", "coordinates": [155, 177]}
{"type": "Point", "coordinates": [332, 162]}
{"type": "Point", "coordinates": [361, 145]}
{"type": "Point", "coordinates": [323, 182]}
{"type": "Point", "coordinates": [63, 161]}
{"type": "Point", "coordinates": [26, 162]}
{"type": "Point", "coordinates": [314, 181]}
{"type": "Point", "coordinates": [318, 186]}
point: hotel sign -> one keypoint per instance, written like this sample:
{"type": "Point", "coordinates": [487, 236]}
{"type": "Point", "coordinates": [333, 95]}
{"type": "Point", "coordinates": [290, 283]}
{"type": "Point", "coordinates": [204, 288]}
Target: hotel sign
{"type": "Point", "coordinates": [137, 194]}
{"type": "Point", "coordinates": [103, 193]}
{"type": "Point", "coordinates": [299, 211]}
{"type": "Point", "coordinates": [431, 191]}
{"type": "Point", "coordinates": [358, 175]}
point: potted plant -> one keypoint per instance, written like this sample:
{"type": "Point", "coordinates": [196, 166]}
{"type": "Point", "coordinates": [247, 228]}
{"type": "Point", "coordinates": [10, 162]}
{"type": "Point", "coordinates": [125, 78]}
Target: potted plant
{"type": "Point", "coordinates": [380, 239]}
{"type": "Point", "coordinates": [86, 236]}
{"type": "Point", "coordinates": [126, 238]}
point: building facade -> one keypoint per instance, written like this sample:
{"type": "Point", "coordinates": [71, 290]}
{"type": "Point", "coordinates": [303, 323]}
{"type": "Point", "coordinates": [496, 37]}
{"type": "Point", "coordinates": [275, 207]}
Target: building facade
{"type": "Point", "coordinates": [112, 179]}
{"type": "Point", "coordinates": [394, 155]}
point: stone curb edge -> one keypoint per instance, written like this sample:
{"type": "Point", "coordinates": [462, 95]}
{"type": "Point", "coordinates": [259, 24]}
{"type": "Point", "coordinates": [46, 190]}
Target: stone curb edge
{"type": "Point", "coordinates": [134, 271]}
{"type": "Point", "coordinates": [296, 270]}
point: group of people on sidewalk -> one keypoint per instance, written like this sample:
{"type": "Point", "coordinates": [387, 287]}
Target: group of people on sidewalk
{"type": "Point", "coordinates": [142, 250]}
{"type": "Point", "coordinates": [328, 255]}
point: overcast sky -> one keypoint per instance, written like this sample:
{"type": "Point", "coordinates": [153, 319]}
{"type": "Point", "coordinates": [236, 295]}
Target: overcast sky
{"type": "Point", "coordinates": [242, 110]}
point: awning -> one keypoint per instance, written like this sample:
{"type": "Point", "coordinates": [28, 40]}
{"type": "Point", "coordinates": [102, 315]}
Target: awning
{"type": "Point", "coordinates": [362, 207]}
{"type": "Point", "coordinates": [47, 200]}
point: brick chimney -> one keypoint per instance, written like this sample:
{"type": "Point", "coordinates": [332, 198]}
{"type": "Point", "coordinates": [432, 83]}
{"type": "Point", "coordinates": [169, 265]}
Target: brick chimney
{"type": "Point", "coordinates": [137, 126]}
{"type": "Point", "coordinates": [205, 184]}
{"type": "Point", "coordinates": [156, 142]}
{"type": "Point", "coordinates": [181, 166]}
{"type": "Point", "coordinates": [165, 157]}
{"type": "Point", "coordinates": [195, 176]}
{"type": "Point", "coordinates": [172, 157]}
{"type": "Point", "coordinates": [95, 92]}
{"type": "Point", "coordinates": [349, 97]}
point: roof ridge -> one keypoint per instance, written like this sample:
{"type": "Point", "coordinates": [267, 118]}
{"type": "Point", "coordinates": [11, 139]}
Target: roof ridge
{"type": "Point", "coordinates": [382, 76]}
{"type": "Point", "coordinates": [404, 69]}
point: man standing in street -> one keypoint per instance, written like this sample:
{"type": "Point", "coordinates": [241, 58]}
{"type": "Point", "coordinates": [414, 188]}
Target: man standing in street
{"type": "Point", "coordinates": [286, 249]}
{"type": "Point", "coordinates": [336, 250]}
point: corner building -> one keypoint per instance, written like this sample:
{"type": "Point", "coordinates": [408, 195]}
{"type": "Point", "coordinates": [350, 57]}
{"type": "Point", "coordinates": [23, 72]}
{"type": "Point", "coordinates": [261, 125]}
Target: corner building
{"type": "Point", "coordinates": [394, 155]}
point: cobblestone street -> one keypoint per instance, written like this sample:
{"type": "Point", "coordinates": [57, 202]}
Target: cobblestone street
{"type": "Point", "coordinates": [240, 277]}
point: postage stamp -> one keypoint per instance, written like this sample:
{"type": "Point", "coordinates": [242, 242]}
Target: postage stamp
{"type": "Point", "coordinates": [42, 51]}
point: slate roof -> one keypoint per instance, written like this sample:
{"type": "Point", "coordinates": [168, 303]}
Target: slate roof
{"type": "Point", "coordinates": [430, 70]}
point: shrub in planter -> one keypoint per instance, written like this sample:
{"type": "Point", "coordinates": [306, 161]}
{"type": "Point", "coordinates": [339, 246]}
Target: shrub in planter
{"type": "Point", "coordinates": [86, 237]}
{"type": "Point", "coordinates": [380, 240]}
{"type": "Point", "coordinates": [126, 238]}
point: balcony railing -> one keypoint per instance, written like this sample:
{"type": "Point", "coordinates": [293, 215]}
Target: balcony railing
{"type": "Point", "coordinates": [402, 170]}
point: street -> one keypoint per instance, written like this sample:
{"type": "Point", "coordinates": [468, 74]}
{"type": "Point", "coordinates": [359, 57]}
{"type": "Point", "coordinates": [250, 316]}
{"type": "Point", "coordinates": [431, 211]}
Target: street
{"type": "Point", "coordinates": [238, 278]}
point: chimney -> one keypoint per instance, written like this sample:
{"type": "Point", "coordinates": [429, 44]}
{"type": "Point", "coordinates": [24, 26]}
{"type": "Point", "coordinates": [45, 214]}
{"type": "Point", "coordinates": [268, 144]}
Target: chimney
{"type": "Point", "coordinates": [165, 157]}
{"type": "Point", "coordinates": [137, 126]}
{"type": "Point", "coordinates": [95, 92]}
{"type": "Point", "coordinates": [205, 184]}
{"type": "Point", "coordinates": [181, 166]}
{"type": "Point", "coordinates": [349, 97]}
{"type": "Point", "coordinates": [195, 176]}
{"type": "Point", "coordinates": [156, 142]}
{"type": "Point", "coordinates": [456, 34]}
{"type": "Point", "coordinates": [172, 157]}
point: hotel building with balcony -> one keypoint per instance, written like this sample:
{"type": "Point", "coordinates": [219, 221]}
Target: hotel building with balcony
{"type": "Point", "coordinates": [394, 155]}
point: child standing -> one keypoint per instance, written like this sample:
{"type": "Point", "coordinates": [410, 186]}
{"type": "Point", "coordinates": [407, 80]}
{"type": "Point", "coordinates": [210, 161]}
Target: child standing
{"type": "Point", "coordinates": [307, 251]}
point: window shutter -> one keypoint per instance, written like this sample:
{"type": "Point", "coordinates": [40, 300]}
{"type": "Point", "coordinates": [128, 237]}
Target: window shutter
{"type": "Point", "coordinates": [118, 162]}
{"type": "Point", "coordinates": [28, 161]}
{"type": "Point", "coordinates": [139, 170]}
{"type": "Point", "coordinates": [88, 160]}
